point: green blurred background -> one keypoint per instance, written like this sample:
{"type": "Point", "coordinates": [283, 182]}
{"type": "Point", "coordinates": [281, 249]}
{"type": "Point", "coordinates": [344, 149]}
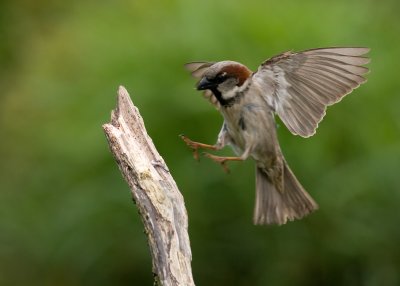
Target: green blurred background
{"type": "Point", "coordinates": [66, 215]}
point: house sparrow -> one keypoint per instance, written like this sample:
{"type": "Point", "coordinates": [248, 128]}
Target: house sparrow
{"type": "Point", "coordinates": [297, 86]}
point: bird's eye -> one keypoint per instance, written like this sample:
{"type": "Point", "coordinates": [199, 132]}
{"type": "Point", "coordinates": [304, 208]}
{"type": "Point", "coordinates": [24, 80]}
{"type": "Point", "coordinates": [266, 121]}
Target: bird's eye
{"type": "Point", "coordinates": [221, 77]}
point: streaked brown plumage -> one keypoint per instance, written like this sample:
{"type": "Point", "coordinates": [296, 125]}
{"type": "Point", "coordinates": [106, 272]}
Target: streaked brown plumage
{"type": "Point", "coordinates": [296, 86]}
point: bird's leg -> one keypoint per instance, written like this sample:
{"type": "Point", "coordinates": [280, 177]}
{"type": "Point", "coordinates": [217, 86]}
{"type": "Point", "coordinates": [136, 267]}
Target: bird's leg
{"type": "Point", "coordinates": [223, 160]}
{"type": "Point", "coordinates": [197, 145]}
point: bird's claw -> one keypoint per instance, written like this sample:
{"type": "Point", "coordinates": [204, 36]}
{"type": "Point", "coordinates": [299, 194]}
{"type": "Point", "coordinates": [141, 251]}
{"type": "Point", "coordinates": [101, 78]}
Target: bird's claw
{"type": "Point", "coordinates": [220, 160]}
{"type": "Point", "coordinates": [192, 145]}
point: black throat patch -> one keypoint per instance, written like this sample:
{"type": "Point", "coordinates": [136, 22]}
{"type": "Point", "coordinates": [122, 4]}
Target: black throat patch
{"type": "Point", "coordinates": [221, 100]}
{"type": "Point", "coordinates": [231, 101]}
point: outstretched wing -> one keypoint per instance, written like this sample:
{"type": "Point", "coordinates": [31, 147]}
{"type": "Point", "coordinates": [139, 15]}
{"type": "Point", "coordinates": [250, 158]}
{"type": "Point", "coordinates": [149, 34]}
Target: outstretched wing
{"type": "Point", "coordinates": [299, 86]}
{"type": "Point", "coordinates": [197, 69]}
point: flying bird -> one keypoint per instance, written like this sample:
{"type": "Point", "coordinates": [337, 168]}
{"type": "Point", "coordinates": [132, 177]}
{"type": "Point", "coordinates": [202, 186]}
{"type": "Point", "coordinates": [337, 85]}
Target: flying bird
{"type": "Point", "coordinates": [298, 87]}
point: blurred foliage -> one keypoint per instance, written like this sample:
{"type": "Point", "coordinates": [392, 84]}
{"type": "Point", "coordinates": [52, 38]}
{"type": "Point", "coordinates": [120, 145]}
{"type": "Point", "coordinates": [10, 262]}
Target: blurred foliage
{"type": "Point", "coordinates": [66, 217]}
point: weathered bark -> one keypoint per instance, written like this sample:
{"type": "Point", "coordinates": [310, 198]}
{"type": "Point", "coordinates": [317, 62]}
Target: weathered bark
{"type": "Point", "coordinates": [155, 192]}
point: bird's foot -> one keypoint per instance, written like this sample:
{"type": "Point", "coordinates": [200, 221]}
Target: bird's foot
{"type": "Point", "coordinates": [222, 160]}
{"type": "Point", "coordinates": [195, 146]}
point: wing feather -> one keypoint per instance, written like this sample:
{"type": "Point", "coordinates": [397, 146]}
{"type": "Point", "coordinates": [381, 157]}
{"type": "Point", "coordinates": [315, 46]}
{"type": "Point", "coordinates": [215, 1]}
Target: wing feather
{"type": "Point", "coordinates": [359, 70]}
{"type": "Point", "coordinates": [197, 69]}
{"type": "Point", "coordinates": [352, 51]}
{"type": "Point", "coordinates": [301, 85]}
{"type": "Point", "coordinates": [318, 93]}
{"type": "Point", "coordinates": [354, 78]}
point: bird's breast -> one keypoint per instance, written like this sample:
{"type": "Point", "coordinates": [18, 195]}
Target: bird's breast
{"type": "Point", "coordinates": [250, 122]}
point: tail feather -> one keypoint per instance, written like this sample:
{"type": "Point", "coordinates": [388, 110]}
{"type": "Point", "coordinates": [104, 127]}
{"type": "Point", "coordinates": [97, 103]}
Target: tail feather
{"type": "Point", "coordinates": [276, 207]}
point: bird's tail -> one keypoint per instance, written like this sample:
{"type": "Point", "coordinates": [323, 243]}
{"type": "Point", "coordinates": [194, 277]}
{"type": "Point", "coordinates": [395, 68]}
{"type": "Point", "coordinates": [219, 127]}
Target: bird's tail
{"type": "Point", "coordinates": [276, 207]}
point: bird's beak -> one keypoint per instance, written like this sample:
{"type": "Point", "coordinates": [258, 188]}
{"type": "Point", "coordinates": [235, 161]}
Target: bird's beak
{"type": "Point", "coordinates": [204, 83]}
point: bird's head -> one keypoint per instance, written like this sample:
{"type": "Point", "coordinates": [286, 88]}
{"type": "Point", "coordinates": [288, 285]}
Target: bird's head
{"type": "Point", "coordinates": [222, 77]}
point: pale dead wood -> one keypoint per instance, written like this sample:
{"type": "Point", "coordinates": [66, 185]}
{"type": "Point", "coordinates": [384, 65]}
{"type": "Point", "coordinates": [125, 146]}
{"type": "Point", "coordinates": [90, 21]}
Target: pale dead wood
{"type": "Point", "coordinates": [155, 192]}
